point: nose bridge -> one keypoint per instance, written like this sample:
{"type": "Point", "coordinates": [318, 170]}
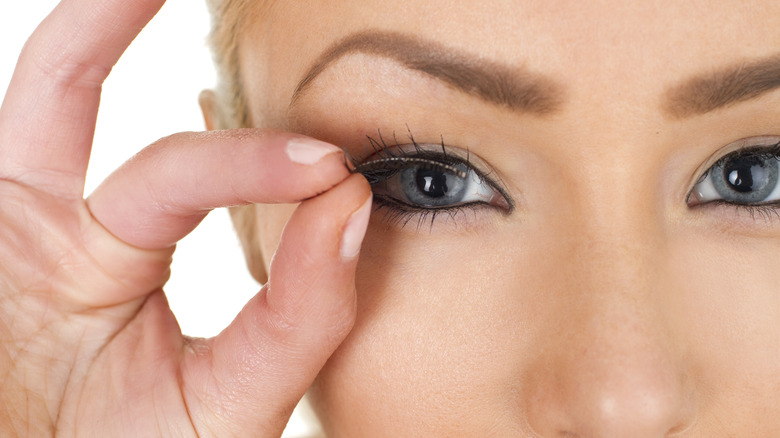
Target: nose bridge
{"type": "Point", "coordinates": [615, 244]}
{"type": "Point", "coordinates": [614, 369]}
{"type": "Point", "coordinates": [614, 194]}
{"type": "Point", "coordinates": [614, 232]}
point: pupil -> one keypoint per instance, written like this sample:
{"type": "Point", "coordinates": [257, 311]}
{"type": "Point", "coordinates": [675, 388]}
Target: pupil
{"type": "Point", "coordinates": [739, 173]}
{"type": "Point", "coordinates": [432, 183]}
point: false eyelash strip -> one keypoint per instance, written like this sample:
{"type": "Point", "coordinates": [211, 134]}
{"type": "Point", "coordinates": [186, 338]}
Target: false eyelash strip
{"type": "Point", "coordinates": [763, 152]}
{"type": "Point", "coordinates": [771, 151]}
{"type": "Point", "coordinates": [396, 163]}
{"type": "Point", "coordinates": [390, 162]}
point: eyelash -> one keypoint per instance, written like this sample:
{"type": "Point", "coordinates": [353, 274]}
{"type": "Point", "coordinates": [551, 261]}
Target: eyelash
{"type": "Point", "coordinates": [388, 160]}
{"type": "Point", "coordinates": [767, 212]}
{"type": "Point", "coordinates": [762, 152]}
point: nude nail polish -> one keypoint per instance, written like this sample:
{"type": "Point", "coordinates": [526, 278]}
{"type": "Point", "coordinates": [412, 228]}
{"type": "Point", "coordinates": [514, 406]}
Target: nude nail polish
{"type": "Point", "coordinates": [308, 151]}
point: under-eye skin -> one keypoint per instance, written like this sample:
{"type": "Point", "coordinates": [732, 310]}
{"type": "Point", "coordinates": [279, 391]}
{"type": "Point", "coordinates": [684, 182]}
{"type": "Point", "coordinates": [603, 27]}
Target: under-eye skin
{"type": "Point", "coordinates": [746, 178]}
{"type": "Point", "coordinates": [419, 182]}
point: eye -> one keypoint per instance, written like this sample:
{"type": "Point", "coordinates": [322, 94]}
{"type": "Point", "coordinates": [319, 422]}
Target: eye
{"type": "Point", "coordinates": [745, 177]}
{"type": "Point", "coordinates": [431, 185]}
{"type": "Point", "coordinates": [427, 178]}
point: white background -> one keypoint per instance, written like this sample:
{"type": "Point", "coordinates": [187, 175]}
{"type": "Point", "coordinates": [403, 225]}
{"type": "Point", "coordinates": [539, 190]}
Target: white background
{"type": "Point", "coordinates": [153, 93]}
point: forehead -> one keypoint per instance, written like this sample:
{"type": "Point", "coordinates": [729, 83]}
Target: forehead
{"type": "Point", "coordinates": [620, 47]}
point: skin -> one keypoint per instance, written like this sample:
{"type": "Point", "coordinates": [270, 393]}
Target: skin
{"type": "Point", "coordinates": [604, 305]}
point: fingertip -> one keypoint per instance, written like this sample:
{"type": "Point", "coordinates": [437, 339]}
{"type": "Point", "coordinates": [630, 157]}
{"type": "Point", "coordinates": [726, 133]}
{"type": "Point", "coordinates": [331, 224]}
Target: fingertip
{"type": "Point", "coordinates": [188, 174]}
{"type": "Point", "coordinates": [355, 231]}
{"type": "Point", "coordinates": [309, 151]}
{"type": "Point", "coordinates": [343, 211]}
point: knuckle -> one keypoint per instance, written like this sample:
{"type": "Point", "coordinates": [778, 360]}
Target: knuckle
{"type": "Point", "coordinates": [65, 70]}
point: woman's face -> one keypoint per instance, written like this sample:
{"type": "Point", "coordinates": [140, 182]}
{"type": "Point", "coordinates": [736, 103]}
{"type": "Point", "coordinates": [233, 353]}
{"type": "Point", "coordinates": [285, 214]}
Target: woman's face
{"type": "Point", "coordinates": [589, 280]}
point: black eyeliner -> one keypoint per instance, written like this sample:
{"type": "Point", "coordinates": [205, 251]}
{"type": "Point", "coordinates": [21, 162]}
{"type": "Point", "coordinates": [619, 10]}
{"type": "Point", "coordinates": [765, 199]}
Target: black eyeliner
{"type": "Point", "coordinates": [382, 168]}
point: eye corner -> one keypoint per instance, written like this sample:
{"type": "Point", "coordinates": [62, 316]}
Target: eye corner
{"type": "Point", "coordinates": [693, 197]}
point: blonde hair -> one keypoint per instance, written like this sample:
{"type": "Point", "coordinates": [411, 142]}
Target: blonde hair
{"type": "Point", "coordinates": [229, 19]}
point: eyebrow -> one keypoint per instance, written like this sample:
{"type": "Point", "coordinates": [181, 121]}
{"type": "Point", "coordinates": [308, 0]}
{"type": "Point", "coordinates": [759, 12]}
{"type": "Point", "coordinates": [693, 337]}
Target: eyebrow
{"type": "Point", "coordinates": [521, 90]}
{"type": "Point", "coordinates": [498, 84]}
{"type": "Point", "coordinates": [730, 85]}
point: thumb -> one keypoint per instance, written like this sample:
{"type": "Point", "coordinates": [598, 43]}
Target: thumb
{"type": "Point", "coordinates": [247, 380]}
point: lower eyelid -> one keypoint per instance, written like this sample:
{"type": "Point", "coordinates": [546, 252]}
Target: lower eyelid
{"type": "Point", "coordinates": [743, 219]}
{"type": "Point", "coordinates": [465, 216]}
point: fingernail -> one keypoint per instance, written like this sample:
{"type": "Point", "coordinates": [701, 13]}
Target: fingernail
{"type": "Point", "coordinates": [308, 151]}
{"type": "Point", "coordinates": [354, 231]}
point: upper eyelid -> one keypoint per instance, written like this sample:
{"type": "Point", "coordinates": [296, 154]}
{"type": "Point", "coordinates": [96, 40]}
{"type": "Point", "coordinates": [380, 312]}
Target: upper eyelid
{"type": "Point", "coordinates": [368, 164]}
{"type": "Point", "coordinates": [450, 154]}
{"type": "Point", "coordinates": [768, 150]}
{"type": "Point", "coordinates": [414, 149]}
{"type": "Point", "coordinates": [745, 144]}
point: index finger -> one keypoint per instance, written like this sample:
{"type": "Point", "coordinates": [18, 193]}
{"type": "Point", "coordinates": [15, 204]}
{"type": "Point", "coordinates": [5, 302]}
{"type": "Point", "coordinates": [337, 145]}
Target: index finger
{"type": "Point", "coordinates": [47, 119]}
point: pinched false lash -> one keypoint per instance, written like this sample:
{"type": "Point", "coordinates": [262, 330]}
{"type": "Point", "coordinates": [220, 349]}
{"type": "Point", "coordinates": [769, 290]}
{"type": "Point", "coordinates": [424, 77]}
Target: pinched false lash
{"type": "Point", "coordinates": [388, 162]}
{"type": "Point", "coordinates": [382, 168]}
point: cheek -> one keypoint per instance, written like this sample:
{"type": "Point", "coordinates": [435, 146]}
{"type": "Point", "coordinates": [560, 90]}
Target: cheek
{"type": "Point", "coordinates": [728, 309]}
{"type": "Point", "coordinates": [438, 334]}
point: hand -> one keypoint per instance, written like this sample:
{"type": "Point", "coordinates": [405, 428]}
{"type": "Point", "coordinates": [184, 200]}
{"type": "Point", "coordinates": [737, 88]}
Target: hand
{"type": "Point", "coordinates": [89, 344]}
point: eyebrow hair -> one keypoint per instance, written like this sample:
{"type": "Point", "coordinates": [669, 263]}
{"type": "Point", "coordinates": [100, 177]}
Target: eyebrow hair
{"type": "Point", "coordinates": [722, 88]}
{"type": "Point", "coordinates": [499, 84]}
